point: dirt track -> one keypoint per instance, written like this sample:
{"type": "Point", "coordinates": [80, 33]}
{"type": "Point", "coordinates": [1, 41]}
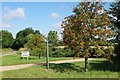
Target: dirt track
{"type": "Point", "coordinates": [15, 67]}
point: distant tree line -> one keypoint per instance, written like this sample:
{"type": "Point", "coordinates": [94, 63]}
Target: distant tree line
{"type": "Point", "coordinates": [22, 37]}
{"type": "Point", "coordinates": [30, 39]}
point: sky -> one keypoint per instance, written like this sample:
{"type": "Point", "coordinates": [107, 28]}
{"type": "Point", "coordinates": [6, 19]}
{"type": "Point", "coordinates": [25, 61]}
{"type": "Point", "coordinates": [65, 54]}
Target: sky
{"type": "Point", "coordinates": [42, 16]}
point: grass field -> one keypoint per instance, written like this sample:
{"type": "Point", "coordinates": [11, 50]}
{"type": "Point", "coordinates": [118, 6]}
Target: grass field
{"type": "Point", "coordinates": [16, 59]}
{"type": "Point", "coordinates": [5, 51]}
{"type": "Point", "coordinates": [97, 69]}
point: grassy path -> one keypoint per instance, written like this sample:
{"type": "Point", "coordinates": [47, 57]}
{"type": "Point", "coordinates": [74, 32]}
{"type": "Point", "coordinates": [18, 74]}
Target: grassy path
{"type": "Point", "coordinates": [15, 67]}
{"type": "Point", "coordinates": [69, 61]}
{"type": "Point", "coordinates": [9, 53]}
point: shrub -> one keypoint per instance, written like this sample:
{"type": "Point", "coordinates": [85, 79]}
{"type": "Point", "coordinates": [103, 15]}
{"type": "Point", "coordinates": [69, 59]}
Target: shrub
{"type": "Point", "coordinates": [116, 58]}
{"type": "Point", "coordinates": [60, 52]}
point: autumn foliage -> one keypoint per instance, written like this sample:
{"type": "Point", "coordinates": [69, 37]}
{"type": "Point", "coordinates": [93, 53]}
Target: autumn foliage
{"type": "Point", "coordinates": [87, 28]}
{"type": "Point", "coordinates": [37, 44]}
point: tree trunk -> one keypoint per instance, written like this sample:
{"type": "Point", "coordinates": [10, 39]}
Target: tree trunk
{"type": "Point", "coordinates": [86, 63]}
{"type": "Point", "coordinates": [39, 55]}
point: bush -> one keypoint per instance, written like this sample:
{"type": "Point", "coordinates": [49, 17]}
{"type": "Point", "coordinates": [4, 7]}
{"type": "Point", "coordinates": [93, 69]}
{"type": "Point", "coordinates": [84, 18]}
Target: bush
{"type": "Point", "coordinates": [116, 59]}
{"type": "Point", "coordinates": [59, 52]}
{"type": "Point", "coordinates": [36, 53]}
{"type": "Point", "coordinates": [32, 53]}
{"type": "Point", "coordinates": [19, 52]}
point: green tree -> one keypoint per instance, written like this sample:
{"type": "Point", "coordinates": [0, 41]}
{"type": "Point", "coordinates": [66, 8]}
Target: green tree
{"type": "Point", "coordinates": [37, 32]}
{"type": "Point", "coordinates": [116, 58]}
{"type": "Point", "coordinates": [29, 37]}
{"type": "Point", "coordinates": [21, 39]}
{"type": "Point", "coordinates": [115, 18]}
{"type": "Point", "coordinates": [87, 28]}
{"type": "Point", "coordinates": [6, 39]}
{"type": "Point", "coordinates": [37, 45]}
{"type": "Point", "coordinates": [115, 11]}
{"type": "Point", "coordinates": [53, 38]}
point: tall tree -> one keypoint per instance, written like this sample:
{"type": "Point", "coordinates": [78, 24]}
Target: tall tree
{"type": "Point", "coordinates": [115, 11]}
{"type": "Point", "coordinates": [87, 28]}
{"type": "Point", "coordinates": [53, 38]}
{"type": "Point", "coordinates": [115, 18]}
{"type": "Point", "coordinates": [37, 44]}
{"type": "Point", "coordinates": [6, 39]}
{"type": "Point", "coordinates": [21, 38]}
{"type": "Point", "coordinates": [37, 32]}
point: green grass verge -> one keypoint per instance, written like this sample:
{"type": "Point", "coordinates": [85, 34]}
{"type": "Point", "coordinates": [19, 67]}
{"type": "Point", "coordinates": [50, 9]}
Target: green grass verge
{"type": "Point", "coordinates": [5, 50]}
{"type": "Point", "coordinates": [97, 69]}
{"type": "Point", "coordinates": [16, 59]}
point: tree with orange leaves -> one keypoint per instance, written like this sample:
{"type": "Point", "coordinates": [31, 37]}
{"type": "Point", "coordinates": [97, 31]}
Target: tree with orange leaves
{"type": "Point", "coordinates": [87, 27]}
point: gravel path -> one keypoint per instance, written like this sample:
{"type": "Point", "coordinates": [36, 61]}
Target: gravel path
{"type": "Point", "coordinates": [15, 67]}
{"type": "Point", "coordinates": [69, 61]}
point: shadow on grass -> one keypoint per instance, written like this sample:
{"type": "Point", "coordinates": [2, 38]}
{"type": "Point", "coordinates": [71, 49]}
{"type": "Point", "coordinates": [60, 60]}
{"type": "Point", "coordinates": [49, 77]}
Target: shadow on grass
{"type": "Point", "coordinates": [30, 58]}
{"type": "Point", "coordinates": [66, 67]}
{"type": "Point", "coordinates": [104, 66]}
{"type": "Point", "coordinates": [93, 65]}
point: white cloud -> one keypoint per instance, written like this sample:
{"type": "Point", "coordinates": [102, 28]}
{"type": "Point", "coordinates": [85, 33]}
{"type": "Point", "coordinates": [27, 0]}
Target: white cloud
{"type": "Point", "coordinates": [54, 15]}
{"type": "Point", "coordinates": [5, 26]}
{"type": "Point", "coordinates": [9, 13]}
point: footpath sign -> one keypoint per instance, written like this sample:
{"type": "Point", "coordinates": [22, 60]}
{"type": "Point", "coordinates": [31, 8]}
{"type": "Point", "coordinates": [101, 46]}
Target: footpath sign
{"type": "Point", "coordinates": [25, 54]}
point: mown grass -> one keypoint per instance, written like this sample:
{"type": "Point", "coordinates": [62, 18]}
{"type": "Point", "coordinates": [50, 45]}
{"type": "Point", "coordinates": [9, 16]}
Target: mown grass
{"type": "Point", "coordinates": [17, 59]}
{"type": "Point", "coordinates": [5, 50]}
{"type": "Point", "coordinates": [97, 69]}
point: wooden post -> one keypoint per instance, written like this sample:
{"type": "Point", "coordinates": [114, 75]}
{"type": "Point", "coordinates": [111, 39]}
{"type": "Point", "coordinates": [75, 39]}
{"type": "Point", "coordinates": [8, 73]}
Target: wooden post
{"type": "Point", "coordinates": [47, 56]}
